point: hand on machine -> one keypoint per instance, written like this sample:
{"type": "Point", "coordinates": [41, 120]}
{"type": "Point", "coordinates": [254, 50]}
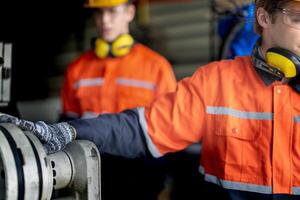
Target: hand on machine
{"type": "Point", "coordinates": [54, 137]}
{"type": "Point", "coordinates": [28, 173]}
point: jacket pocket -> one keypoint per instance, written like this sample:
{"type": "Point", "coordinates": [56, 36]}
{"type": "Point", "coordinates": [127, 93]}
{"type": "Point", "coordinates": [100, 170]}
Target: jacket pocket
{"type": "Point", "coordinates": [241, 129]}
{"type": "Point", "coordinates": [236, 141]}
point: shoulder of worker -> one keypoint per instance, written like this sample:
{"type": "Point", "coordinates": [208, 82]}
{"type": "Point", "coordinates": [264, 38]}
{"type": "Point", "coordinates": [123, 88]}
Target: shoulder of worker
{"type": "Point", "coordinates": [149, 55]}
{"type": "Point", "coordinates": [239, 65]}
{"type": "Point", "coordinates": [82, 60]}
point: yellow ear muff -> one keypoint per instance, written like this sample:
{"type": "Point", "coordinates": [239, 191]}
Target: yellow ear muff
{"type": "Point", "coordinates": [101, 48]}
{"type": "Point", "coordinates": [283, 60]}
{"type": "Point", "coordinates": [122, 45]}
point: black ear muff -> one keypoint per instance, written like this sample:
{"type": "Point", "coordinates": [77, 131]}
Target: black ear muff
{"type": "Point", "coordinates": [285, 61]}
{"type": "Point", "coordinates": [120, 47]}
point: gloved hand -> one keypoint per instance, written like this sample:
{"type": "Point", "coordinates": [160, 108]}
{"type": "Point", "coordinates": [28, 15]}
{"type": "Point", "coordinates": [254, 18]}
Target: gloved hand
{"type": "Point", "coordinates": [53, 136]}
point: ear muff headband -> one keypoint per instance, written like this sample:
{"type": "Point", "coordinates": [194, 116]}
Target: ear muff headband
{"type": "Point", "coordinates": [283, 60]}
{"type": "Point", "coordinates": [120, 47]}
{"type": "Point", "coordinates": [259, 62]}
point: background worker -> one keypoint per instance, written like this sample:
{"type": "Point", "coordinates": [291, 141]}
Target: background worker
{"type": "Point", "coordinates": [246, 113]}
{"type": "Point", "coordinates": [116, 74]}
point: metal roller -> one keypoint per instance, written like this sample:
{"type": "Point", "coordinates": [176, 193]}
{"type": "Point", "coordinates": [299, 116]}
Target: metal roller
{"type": "Point", "coordinates": [27, 173]}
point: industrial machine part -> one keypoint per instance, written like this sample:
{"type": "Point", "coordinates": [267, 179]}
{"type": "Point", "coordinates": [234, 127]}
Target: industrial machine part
{"type": "Point", "coordinates": [5, 73]}
{"type": "Point", "coordinates": [27, 173]}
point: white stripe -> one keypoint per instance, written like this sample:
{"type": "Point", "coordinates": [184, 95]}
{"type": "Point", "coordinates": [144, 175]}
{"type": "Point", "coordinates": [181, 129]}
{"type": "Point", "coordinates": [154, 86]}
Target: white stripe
{"type": "Point", "coordinates": [136, 83]}
{"type": "Point", "coordinates": [297, 119]}
{"type": "Point", "coordinates": [296, 190]}
{"type": "Point", "coordinates": [152, 148]}
{"type": "Point", "coordinates": [88, 115]}
{"type": "Point", "coordinates": [88, 82]}
{"type": "Point", "coordinates": [232, 185]}
{"type": "Point", "coordinates": [214, 110]}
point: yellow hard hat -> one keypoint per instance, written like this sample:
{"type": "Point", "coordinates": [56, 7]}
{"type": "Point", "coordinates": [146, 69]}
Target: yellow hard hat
{"type": "Point", "coordinates": [103, 3]}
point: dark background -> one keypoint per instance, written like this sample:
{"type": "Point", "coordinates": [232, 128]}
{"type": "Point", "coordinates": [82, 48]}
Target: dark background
{"type": "Point", "coordinates": [38, 30]}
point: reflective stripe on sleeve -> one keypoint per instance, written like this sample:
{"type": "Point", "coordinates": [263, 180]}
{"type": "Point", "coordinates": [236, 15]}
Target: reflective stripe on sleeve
{"type": "Point", "coordinates": [297, 119]}
{"type": "Point", "coordinates": [151, 147]}
{"type": "Point", "coordinates": [136, 83]}
{"type": "Point", "coordinates": [296, 190]}
{"type": "Point", "coordinates": [239, 114]}
{"type": "Point", "coordinates": [232, 185]}
{"type": "Point", "coordinates": [88, 82]}
{"type": "Point", "coordinates": [89, 115]}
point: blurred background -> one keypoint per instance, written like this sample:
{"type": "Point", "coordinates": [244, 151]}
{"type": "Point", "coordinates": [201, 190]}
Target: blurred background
{"type": "Point", "coordinates": [47, 35]}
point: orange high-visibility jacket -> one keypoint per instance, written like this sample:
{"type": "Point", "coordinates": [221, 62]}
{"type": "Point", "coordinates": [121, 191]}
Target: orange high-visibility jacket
{"type": "Point", "coordinates": [250, 131]}
{"type": "Point", "coordinates": [248, 124]}
{"type": "Point", "coordinates": [93, 85]}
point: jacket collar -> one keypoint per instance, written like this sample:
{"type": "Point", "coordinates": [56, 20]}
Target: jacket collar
{"type": "Point", "coordinates": [262, 68]}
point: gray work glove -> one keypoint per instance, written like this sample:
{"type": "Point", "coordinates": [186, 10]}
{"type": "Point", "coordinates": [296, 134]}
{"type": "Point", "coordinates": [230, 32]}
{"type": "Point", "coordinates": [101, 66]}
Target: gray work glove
{"type": "Point", "coordinates": [53, 136]}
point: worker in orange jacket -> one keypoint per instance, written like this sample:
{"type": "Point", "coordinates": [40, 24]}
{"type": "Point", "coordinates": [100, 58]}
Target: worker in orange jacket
{"type": "Point", "coordinates": [118, 73]}
{"type": "Point", "coordinates": [245, 111]}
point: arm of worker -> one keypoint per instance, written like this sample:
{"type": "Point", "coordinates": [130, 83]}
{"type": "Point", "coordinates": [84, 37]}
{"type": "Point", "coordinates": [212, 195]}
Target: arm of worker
{"type": "Point", "coordinates": [118, 134]}
{"type": "Point", "coordinates": [171, 123]}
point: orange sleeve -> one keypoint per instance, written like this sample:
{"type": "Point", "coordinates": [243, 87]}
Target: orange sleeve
{"type": "Point", "coordinates": [175, 120]}
{"type": "Point", "coordinates": [68, 98]}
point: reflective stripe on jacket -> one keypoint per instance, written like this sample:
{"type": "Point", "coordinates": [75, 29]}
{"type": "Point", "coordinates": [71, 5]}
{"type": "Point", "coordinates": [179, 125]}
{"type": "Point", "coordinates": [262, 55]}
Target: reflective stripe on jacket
{"type": "Point", "coordinates": [93, 86]}
{"type": "Point", "coordinates": [250, 132]}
